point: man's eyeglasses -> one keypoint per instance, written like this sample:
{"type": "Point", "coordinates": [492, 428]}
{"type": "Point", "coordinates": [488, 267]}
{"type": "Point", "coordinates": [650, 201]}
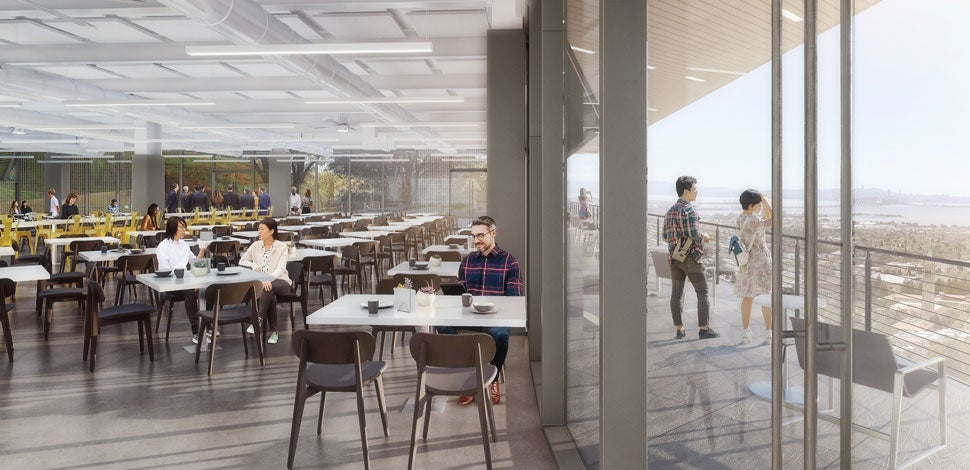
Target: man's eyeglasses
{"type": "Point", "coordinates": [480, 236]}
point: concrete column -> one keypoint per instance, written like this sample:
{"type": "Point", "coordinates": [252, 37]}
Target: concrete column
{"type": "Point", "coordinates": [507, 169]}
{"type": "Point", "coordinates": [58, 177]}
{"type": "Point", "coordinates": [623, 222]}
{"type": "Point", "coordinates": [279, 185]}
{"type": "Point", "coordinates": [534, 208]}
{"type": "Point", "coordinates": [148, 183]}
{"type": "Point", "coordinates": [552, 213]}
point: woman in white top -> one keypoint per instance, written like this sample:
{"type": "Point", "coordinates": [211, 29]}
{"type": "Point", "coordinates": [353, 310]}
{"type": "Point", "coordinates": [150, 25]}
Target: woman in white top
{"type": "Point", "coordinates": [269, 255]}
{"type": "Point", "coordinates": [173, 253]}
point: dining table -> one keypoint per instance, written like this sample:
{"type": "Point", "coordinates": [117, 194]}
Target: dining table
{"type": "Point", "coordinates": [328, 243]}
{"type": "Point", "coordinates": [56, 244]}
{"type": "Point", "coordinates": [445, 269]}
{"type": "Point", "coordinates": [447, 310]}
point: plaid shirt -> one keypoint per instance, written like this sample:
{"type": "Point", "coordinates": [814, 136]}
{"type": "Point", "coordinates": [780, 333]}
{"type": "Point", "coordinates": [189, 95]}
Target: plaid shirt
{"type": "Point", "coordinates": [494, 274]}
{"type": "Point", "coordinates": [681, 222]}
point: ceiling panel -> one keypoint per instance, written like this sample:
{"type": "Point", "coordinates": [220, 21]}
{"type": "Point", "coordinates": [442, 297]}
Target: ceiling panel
{"type": "Point", "coordinates": [181, 29]}
{"type": "Point", "coordinates": [366, 26]}
{"type": "Point", "coordinates": [204, 70]}
{"type": "Point", "coordinates": [107, 32]}
{"type": "Point", "coordinates": [389, 67]}
{"type": "Point", "coordinates": [300, 27]}
{"type": "Point", "coordinates": [162, 96]}
{"type": "Point", "coordinates": [313, 94]}
{"type": "Point", "coordinates": [461, 66]}
{"type": "Point", "coordinates": [263, 70]}
{"type": "Point", "coordinates": [451, 24]}
{"type": "Point", "coordinates": [80, 71]}
{"type": "Point", "coordinates": [268, 95]}
{"type": "Point", "coordinates": [27, 33]}
{"type": "Point", "coordinates": [141, 71]}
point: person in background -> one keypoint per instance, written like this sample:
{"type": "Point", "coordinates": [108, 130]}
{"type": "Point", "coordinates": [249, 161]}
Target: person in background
{"type": "Point", "coordinates": [55, 205]}
{"type": "Point", "coordinates": [69, 209]}
{"type": "Point", "coordinates": [488, 271]}
{"type": "Point", "coordinates": [24, 208]}
{"type": "Point", "coordinates": [268, 255]}
{"type": "Point", "coordinates": [264, 201]}
{"type": "Point", "coordinates": [185, 200]}
{"type": "Point", "coordinates": [306, 203]}
{"type": "Point", "coordinates": [14, 208]}
{"type": "Point", "coordinates": [173, 253]}
{"type": "Point", "coordinates": [112, 207]}
{"type": "Point", "coordinates": [200, 199]}
{"type": "Point", "coordinates": [217, 199]}
{"type": "Point", "coordinates": [295, 201]}
{"type": "Point", "coordinates": [585, 197]}
{"type": "Point", "coordinates": [754, 278]}
{"type": "Point", "coordinates": [150, 220]}
{"type": "Point", "coordinates": [681, 224]}
{"type": "Point", "coordinates": [230, 198]}
{"type": "Point", "coordinates": [246, 201]}
{"type": "Point", "coordinates": [172, 199]}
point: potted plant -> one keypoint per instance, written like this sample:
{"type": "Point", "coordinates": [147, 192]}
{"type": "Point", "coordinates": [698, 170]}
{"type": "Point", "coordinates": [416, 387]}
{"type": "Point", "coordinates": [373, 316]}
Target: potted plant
{"type": "Point", "coordinates": [200, 267]}
{"type": "Point", "coordinates": [425, 295]}
{"type": "Point", "coordinates": [434, 260]}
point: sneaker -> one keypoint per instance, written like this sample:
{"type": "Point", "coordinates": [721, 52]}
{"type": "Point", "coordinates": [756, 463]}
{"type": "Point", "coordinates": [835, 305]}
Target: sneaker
{"type": "Point", "coordinates": [208, 337]}
{"type": "Point", "coordinates": [767, 337]}
{"type": "Point", "coordinates": [746, 337]}
{"type": "Point", "coordinates": [708, 333]}
{"type": "Point", "coordinates": [273, 338]}
{"type": "Point", "coordinates": [681, 334]}
{"type": "Point", "coordinates": [251, 330]}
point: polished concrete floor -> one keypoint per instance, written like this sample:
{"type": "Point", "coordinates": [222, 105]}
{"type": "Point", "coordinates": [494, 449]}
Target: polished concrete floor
{"type": "Point", "coordinates": [133, 413]}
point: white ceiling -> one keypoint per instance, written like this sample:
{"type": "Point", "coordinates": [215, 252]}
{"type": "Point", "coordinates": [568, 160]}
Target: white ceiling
{"type": "Point", "coordinates": [135, 49]}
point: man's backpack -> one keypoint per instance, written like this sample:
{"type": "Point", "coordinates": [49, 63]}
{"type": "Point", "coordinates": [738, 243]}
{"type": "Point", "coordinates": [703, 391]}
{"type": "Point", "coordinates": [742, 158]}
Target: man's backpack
{"type": "Point", "coordinates": [738, 251]}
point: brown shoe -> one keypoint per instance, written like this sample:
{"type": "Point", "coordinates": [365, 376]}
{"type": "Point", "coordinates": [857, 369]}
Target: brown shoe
{"type": "Point", "coordinates": [496, 393]}
{"type": "Point", "coordinates": [466, 399]}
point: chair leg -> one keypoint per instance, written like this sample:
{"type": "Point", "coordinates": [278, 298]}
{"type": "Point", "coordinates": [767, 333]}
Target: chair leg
{"type": "Point", "coordinates": [94, 352]}
{"type": "Point", "coordinates": [298, 405]}
{"type": "Point", "coordinates": [49, 319]}
{"type": "Point", "coordinates": [897, 415]}
{"type": "Point", "coordinates": [323, 405]}
{"type": "Point", "coordinates": [381, 403]}
{"type": "Point", "coordinates": [7, 336]}
{"type": "Point", "coordinates": [168, 329]}
{"type": "Point", "coordinates": [362, 420]}
{"type": "Point", "coordinates": [242, 326]}
{"type": "Point", "coordinates": [418, 408]}
{"type": "Point", "coordinates": [141, 338]}
{"type": "Point", "coordinates": [150, 338]}
{"type": "Point", "coordinates": [429, 398]}
{"type": "Point", "coordinates": [260, 340]}
{"type": "Point", "coordinates": [491, 415]}
{"type": "Point", "coordinates": [212, 345]}
{"type": "Point", "coordinates": [483, 420]}
{"type": "Point", "coordinates": [201, 337]}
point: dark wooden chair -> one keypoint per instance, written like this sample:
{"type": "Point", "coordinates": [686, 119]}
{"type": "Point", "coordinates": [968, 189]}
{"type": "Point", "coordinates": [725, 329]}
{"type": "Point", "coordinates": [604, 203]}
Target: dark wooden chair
{"type": "Point", "coordinates": [76, 247]}
{"type": "Point", "coordinates": [299, 291]}
{"type": "Point", "coordinates": [49, 296]}
{"type": "Point", "coordinates": [129, 266]}
{"type": "Point", "coordinates": [350, 266]}
{"type": "Point", "coordinates": [97, 316]}
{"type": "Point", "coordinates": [386, 286]}
{"type": "Point", "coordinates": [230, 303]}
{"type": "Point", "coordinates": [320, 273]}
{"type": "Point", "coordinates": [7, 290]}
{"type": "Point", "coordinates": [335, 362]}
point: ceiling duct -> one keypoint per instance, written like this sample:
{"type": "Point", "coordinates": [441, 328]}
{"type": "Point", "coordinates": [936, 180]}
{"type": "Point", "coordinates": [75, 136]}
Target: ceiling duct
{"type": "Point", "coordinates": [245, 22]}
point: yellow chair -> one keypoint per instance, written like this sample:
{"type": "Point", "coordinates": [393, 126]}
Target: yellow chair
{"type": "Point", "coordinates": [20, 235]}
{"type": "Point", "coordinates": [131, 226]}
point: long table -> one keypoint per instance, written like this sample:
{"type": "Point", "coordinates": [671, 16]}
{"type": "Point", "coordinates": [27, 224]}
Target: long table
{"type": "Point", "coordinates": [447, 310]}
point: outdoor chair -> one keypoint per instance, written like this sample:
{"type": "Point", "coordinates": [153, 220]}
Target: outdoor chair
{"type": "Point", "coordinates": [335, 362]}
{"type": "Point", "coordinates": [97, 316]}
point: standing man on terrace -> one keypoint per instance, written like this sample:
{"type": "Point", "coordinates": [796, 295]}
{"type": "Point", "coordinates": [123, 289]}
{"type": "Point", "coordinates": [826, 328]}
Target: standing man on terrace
{"type": "Point", "coordinates": [264, 201]}
{"type": "Point", "coordinates": [681, 228]}
{"type": "Point", "coordinates": [55, 206]}
{"type": "Point", "coordinates": [172, 199]}
{"type": "Point", "coordinates": [230, 198]}
{"type": "Point", "coordinates": [488, 271]}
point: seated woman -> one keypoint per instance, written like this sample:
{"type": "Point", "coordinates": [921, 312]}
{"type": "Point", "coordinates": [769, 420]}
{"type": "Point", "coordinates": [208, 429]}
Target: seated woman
{"type": "Point", "coordinates": [14, 208]}
{"type": "Point", "coordinates": [173, 253]}
{"type": "Point", "coordinates": [24, 208]}
{"type": "Point", "coordinates": [268, 255]}
{"type": "Point", "coordinates": [69, 209]}
{"type": "Point", "coordinates": [150, 221]}
{"type": "Point", "coordinates": [113, 207]}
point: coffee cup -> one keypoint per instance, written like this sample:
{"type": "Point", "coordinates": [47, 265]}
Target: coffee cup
{"type": "Point", "coordinates": [411, 262]}
{"type": "Point", "coordinates": [179, 273]}
{"type": "Point", "coordinates": [372, 306]}
{"type": "Point", "coordinates": [466, 300]}
{"type": "Point", "coordinates": [221, 266]}
{"type": "Point", "coordinates": [104, 249]}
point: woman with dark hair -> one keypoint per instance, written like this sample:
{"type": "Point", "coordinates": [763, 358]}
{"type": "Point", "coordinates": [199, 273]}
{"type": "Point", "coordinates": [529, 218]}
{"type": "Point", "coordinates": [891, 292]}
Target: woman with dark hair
{"type": "Point", "coordinates": [24, 208]}
{"type": "Point", "coordinates": [754, 278]}
{"type": "Point", "coordinates": [150, 221]}
{"type": "Point", "coordinates": [14, 208]}
{"type": "Point", "coordinates": [584, 199]}
{"type": "Point", "coordinates": [69, 209]}
{"type": "Point", "coordinates": [268, 255]}
{"type": "Point", "coordinates": [173, 253]}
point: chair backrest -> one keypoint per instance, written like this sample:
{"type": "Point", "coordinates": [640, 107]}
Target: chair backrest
{"type": "Point", "coordinates": [221, 230]}
{"type": "Point", "coordinates": [294, 270]}
{"type": "Point", "coordinates": [419, 280]}
{"type": "Point", "coordinates": [446, 255]}
{"type": "Point", "coordinates": [232, 293]}
{"type": "Point", "coordinates": [367, 248]}
{"type": "Point", "coordinates": [285, 236]}
{"type": "Point", "coordinates": [223, 247]}
{"type": "Point", "coordinates": [78, 246]}
{"type": "Point", "coordinates": [350, 253]}
{"type": "Point", "coordinates": [385, 286]}
{"type": "Point", "coordinates": [142, 263]}
{"type": "Point", "coordinates": [452, 350]}
{"type": "Point", "coordinates": [7, 289]}
{"type": "Point", "coordinates": [661, 264]}
{"type": "Point", "coordinates": [874, 364]}
{"type": "Point", "coordinates": [319, 230]}
{"type": "Point", "coordinates": [327, 347]}
{"type": "Point", "coordinates": [316, 264]}
{"type": "Point", "coordinates": [452, 288]}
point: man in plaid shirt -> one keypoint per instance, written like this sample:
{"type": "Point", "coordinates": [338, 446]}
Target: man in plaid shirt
{"type": "Point", "coordinates": [488, 271]}
{"type": "Point", "coordinates": [680, 223]}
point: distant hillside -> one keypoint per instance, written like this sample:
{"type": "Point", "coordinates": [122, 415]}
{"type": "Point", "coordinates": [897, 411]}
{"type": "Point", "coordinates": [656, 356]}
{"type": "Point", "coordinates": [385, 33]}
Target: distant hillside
{"type": "Point", "coordinates": [861, 195]}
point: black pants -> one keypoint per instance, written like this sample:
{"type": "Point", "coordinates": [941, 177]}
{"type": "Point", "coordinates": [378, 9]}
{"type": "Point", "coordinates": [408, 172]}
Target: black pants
{"type": "Point", "coordinates": [693, 271]}
{"type": "Point", "coordinates": [267, 301]}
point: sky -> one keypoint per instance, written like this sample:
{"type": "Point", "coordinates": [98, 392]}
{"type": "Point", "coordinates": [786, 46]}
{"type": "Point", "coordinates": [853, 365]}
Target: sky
{"type": "Point", "coordinates": [910, 122]}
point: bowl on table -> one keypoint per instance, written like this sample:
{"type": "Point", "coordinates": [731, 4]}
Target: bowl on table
{"type": "Point", "coordinates": [421, 265]}
{"type": "Point", "coordinates": [453, 246]}
{"type": "Point", "coordinates": [136, 251]}
{"type": "Point", "coordinates": [163, 273]}
{"type": "Point", "coordinates": [483, 307]}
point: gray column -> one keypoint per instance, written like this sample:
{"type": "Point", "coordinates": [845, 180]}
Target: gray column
{"type": "Point", "coordinates": [58, 178]}
{"type": "Point", "coordinates": [279, 185]}
{"type": "Point", "coordinates": [147, 171]}
{"type": "Point", "coordinates": [506, 117]}
{"type": "Point", "coordinates": [623, 231]}
{"type": "Point", "coordinates": [534, 208]}
{"type": "Point", "coordinates": [552, 403]}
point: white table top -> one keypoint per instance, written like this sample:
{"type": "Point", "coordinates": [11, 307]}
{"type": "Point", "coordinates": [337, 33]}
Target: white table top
{"type": "Point", "coordinates": [325, 223]}
{"type": "Point", "coordinates": [462, 249]}
{"type": "Point", "coordinates": [387, 228]}
{"type": "Point", "coordinates": [330, 242]}
{"type": "Point", "coordinates": [24, 273]}
{"type": "Point", "coordinates": [367, 234]}
{"type": "Point", "coordinates": [446, 311]}
{"type": "Point", "coordinates": [145, 233]}
{"type": "Point", "coordinates": [447, 269]}
{"type": "Point", "coordinates": [406, 223]}
{"type": "Point", "coordinates": [7, 251]}
{"type": "Point", "coordinates": [111, 255]}
{"type": "Point", "coordinates": [205, 227]}
{"type": "Point", "coordinates": [350, 219]}
{"type": "Point", "coordinates": [294, 228]}
{"type": "Point", "coordinates": [301, 253]}
{"type": "Point", "coordinates": [190, 281]}
{"type": "Point", "coordinates": [247, 234]}
{"type": "Point", "coordinates": [64, 241]}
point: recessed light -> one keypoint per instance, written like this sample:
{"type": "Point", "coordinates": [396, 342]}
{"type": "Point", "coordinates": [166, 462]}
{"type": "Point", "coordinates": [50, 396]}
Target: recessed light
{"type": "Point", "coordinates": [695, 79]}
{"type": "Point", "coordinates": [299, 49]}
{"type": "Point", "coordinates": [791, 16]}
{"type": "Point", "coordinates": [580, 49]}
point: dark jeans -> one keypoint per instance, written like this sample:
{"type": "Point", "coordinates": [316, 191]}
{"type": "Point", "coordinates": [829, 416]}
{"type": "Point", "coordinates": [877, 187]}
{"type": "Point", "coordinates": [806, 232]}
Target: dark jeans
{"type": "Point", "coordinates": [267, 301]}
{"type": "Point", "coordinates": [499, 333]}
{"type": "Point", "coordinates": [191, 299]}
{"type": "Point", "coordinates": [688, 269]}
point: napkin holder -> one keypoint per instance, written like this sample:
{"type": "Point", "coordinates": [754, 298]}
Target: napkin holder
{"type": "Point", "coordinates": [404, 299]}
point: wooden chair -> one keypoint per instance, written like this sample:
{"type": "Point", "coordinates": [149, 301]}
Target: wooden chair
{"type": "Point", "coordinates": [350, 266]}
{"type": "Point", "coordinates": [320, 273]}
{"type": "Point", "coordinates": [335, 362]}
{"type": "Point", "coordinates": [445, 255]}
{"type": "Point", "coordinates": [8, 289]}
{"type": "Point", "coordinates": [386, 286]}
{"type": "Point", "coordinates": [230, 303]}
{"type": "Point", "coordinates": [97, 316]}
{"type": "Point", "coordinates": [129, 266]}
{"type": "Point", "coordinates": [453, 365]}
{"type": "Point", "coordinates": [299, 291]}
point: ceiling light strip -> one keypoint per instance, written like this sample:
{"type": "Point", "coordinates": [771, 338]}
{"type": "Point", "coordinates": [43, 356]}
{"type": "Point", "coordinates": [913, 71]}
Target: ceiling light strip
{"type": "Point", "coordinates": [422, 124]}
{"type": "Point", "coordinates": [108, 104]}
{"type": "Point", "coordinates": [64, 161]}
{"type": "Point", "coordinates": [300, 49]}
{"type": "Point", "coordinates": [43, 141]}
{"type": "Point", "coordinates": [242, 126]}
{"type": "Point", "coordinates": [10, 104]}
{"type": "Point", "coordinates": [388, 99]}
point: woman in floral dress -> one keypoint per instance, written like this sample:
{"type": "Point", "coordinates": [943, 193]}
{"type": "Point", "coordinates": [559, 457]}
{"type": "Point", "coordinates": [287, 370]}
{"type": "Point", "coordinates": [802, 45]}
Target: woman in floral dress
{"type": "Point", "coordinates": [754, 278]}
